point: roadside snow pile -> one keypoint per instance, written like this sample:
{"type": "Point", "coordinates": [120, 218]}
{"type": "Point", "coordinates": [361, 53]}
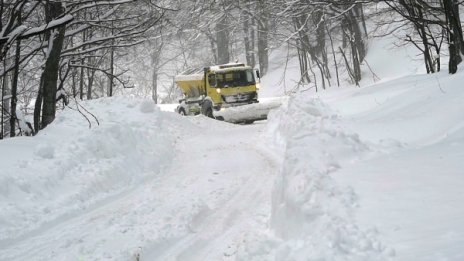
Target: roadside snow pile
{"type": "Point", "coordinates": [412, 189]}
{"type": "Point", "coordinates": [69, 168]}
{"type": "Point", "coordinates": [311, 215]}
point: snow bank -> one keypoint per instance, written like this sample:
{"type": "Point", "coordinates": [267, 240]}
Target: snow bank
{"type": "Point", "coordinates": [311, 215]}
{"type": "Point", "coordinates": [410, 191]}
{"type": "Point", "coordinates": [70, 168]}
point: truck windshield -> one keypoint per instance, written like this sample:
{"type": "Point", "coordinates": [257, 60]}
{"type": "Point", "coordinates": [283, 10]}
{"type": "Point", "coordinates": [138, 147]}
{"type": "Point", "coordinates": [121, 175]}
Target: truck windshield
{"type": "Point", "coordinates": [235, 78]}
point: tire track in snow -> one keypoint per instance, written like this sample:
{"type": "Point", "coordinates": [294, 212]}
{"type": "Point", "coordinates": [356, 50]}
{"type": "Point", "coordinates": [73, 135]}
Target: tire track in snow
{"type": "Point", "coordinates": [217, 189]}
{"type": "Point", "coordinates": [217, 231]}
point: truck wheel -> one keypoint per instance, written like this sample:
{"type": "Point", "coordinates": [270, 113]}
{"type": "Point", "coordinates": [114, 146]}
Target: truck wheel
{"type": "Point", "coordinates": [182, 112]}
{"type": "Point", "coordinates": [209, 113]}
{"type": "Point", "coordinates": [207, 109]}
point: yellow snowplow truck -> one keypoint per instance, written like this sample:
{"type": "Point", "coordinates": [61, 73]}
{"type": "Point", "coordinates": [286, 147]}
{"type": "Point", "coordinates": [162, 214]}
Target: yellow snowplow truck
{"type": "Point", "coordinates": [212, 90]}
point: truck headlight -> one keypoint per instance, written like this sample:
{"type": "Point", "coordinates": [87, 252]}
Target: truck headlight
{"type": "Point", "coordinates": [218, 90]}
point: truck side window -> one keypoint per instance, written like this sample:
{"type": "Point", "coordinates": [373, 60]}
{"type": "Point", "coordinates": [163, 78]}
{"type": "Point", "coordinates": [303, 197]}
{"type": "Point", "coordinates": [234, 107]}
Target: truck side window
{"type": "Point", "coordinates": [229, 77]}
{"type": "Point", "coordinates": [220, 80]}
{"type": "Point", "coordinates": [249, 77]}
{"type": "Point", "coordinates": [212, 80]}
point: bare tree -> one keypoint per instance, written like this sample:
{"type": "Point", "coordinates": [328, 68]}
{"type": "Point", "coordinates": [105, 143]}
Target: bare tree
{"type": "Point", "coordinates": [433, 21]}
{"type": "Point", "coordinates": [79, 35]}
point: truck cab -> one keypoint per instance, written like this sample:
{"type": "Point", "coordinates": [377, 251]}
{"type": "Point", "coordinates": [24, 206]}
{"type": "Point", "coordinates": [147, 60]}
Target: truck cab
{"type": "Point", "coordinates": [217, 87]}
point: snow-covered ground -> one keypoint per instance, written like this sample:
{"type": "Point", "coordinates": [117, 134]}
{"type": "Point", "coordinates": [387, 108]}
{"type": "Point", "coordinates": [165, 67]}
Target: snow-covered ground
{"type": "Point", "coordinates": [144, 183]}
{"type": "Point", "coordinates": [412, 191]}
{"type": "Point", "coordinates": [370, 173]}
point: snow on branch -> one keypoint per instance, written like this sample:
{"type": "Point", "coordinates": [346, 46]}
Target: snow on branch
{"type": "Point", "coordinates": [21, 32]}
{"type": "Point", "coordinates": [92, 4]}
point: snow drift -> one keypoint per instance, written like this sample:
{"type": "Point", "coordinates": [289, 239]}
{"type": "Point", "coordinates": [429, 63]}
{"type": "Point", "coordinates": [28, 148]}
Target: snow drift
{"type": "Point", "coordinates": [411, 189]}
{"type": "Point", "coordinates": [311, 214]}
{"type": "Point", "coordinates": [69, 167]}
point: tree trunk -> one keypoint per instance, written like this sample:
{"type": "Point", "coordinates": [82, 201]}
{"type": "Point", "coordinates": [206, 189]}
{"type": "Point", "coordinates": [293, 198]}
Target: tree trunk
{"type": "Point", "coordinates": [357, 35]}
{"type": "Point", "coordinates": [155, 86]}
{"type": "Point", "coordinates": [455, 37]}
{"type": "Point", "coordinates": [81, 81]}
{"type": "Point", "coordinates": [319, 23]}
{"type": "Point", "coordinates": [425, 41]}
{"type": "Point", "coordinates": [222, 39]}
{"type": "Point", "coordinates": [50, 73]}
{"type": "Point", "coordinates": [263, 34]}
{"type": "Point", "coordinates": [414, 12]}
{"type": "Point", "coordinates": [90, 78]}
{"type": "Point", "coordinates": [333, 55]}
{"type": "Point", "coordinates": [111, 76]}
{"type": "Point", "coordinates": [360, 15]}
{"type": "Point", "coordinates": [302, 48]}
{"type": "Point", "coordinates": [156, 50]}
{"type": "Point", "coordinates": [253, 42]}
{"type": "Point", "coordinates": [353, 33]}
{"type": "Point", "coordinates": [2, 128]}
{"type": "Point", "coordinates": [5, 104]}
{"type": "Point", "coordinates": [356, 64]}
{"type": "Point", "coordinates": [73, 82]}
{"type": "Point", "coordinates": [427, 57]}
{"type": "Point", "coordinates": [73, 73]}
{"type": "Point", "coordinates": [38, 107]}
{"type": "Point", "coordinates": [246, 31]}
{"type": "Point", "coordinates": [14, 90]}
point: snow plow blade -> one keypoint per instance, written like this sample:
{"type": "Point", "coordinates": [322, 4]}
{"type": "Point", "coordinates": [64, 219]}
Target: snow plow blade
{"type": "Point", "coordinates": [248, 113]}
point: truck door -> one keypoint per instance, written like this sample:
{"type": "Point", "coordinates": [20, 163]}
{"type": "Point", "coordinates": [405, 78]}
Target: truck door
{"type": "Point", "coordinates": [213, 90]}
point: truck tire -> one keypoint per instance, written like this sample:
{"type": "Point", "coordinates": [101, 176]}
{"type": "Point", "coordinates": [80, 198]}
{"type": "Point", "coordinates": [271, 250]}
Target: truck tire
{"type": "Point", "coordinates": [209, 112]}
{"type": "Point", "coordinates": [207, 109]}
{"type": "Point", "coordinates": [182, 112]}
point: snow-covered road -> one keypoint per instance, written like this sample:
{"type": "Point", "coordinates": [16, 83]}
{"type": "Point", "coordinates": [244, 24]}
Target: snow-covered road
{"type": "Point", "coordinates": [215, 191]}
{"type": "Point", "coordinates": [370, 173]}
{"type": "Point", "coordinates": [219, 191]}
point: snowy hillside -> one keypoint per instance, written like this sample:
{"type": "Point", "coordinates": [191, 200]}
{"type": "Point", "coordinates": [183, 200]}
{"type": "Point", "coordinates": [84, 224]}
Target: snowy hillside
{"type": "Point", "coordinates": [394, 150]}
{"type": "Point", "coordinates": [369, 173]}
{"type": "Point", "coordinates": [348, 142]}
{"type": "Point", "coordinates": [71, 169]}
{"type": "Point", "coordinates": [144, 183]}
{"type": "Point", "coordinates": [411, 190]}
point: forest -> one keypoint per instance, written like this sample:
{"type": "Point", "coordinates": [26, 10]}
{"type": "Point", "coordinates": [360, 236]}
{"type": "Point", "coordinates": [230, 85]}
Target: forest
{"type": "Point", "coordinates": [54, 54]}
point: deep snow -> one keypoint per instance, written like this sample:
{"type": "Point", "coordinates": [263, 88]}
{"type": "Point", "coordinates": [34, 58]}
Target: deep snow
{"type": "Point", "coordinates": [143, 184]}
{"type": "Point", "coordinates": [69, 171]}
{"type": "Point", "coordinates": [369, 173]}
{"type": "Point", "coordinates": [372, 173]}
{"type": "Point", "coordinates": [412, 192]}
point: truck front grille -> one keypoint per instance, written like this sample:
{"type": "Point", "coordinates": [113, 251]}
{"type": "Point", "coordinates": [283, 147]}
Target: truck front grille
{"type": "Point", "coordinates": [241, 97]}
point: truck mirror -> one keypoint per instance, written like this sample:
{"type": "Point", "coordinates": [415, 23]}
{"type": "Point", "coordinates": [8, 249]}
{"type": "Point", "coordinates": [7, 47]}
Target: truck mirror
{"type": "Point", "coordinates": [257, 73]}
